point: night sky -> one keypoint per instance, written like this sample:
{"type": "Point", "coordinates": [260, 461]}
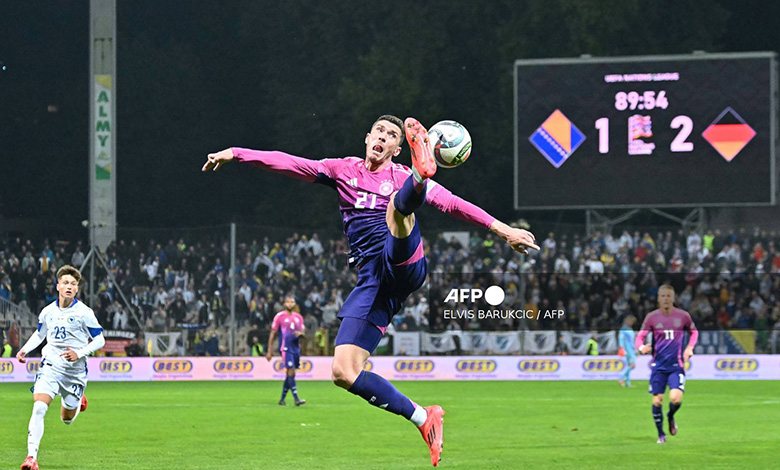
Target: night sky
{"type": "Point", "coordinates": [199, 76]}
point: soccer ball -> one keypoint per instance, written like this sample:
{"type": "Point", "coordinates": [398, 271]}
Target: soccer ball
{"type": "Point", "coordinates": [451, 143]}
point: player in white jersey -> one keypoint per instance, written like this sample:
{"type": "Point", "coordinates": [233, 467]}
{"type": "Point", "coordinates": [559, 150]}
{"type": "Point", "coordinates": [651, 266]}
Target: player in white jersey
{"type": "Point", "coordinates": [67, 325]}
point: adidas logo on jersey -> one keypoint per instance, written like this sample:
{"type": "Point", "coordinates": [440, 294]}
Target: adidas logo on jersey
{"type": "Point", "coordinates": [352, 182]}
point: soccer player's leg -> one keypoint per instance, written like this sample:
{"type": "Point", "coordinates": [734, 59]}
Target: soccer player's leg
{"type": "Point", "coordinates": [624, 375]}
{"type": "Point", "coordinates": [294, 362]}
{"type": "Point", "coordinates": [355, 341]}
{"type": "Point", "coordinates": [404, 260]}
{"type": "Point", "coordinates": [406, 269]}
{"type": "Point", "coordinates": [658, 382]}
{"type": "Point", "coordinates": [45, 389]}
{"type": "Point", "coordinates": [286, 384]}
{"type": "Point", "coordinates": [412, 193]}
{"type": "Point", "coordinates": [630, 364]}
{"type": "Point", "coordinates": [421, 147]}
{"type": "Point", "coordinates": [73, 399]}
{"type": "Point", "coordinates": [676, 389]}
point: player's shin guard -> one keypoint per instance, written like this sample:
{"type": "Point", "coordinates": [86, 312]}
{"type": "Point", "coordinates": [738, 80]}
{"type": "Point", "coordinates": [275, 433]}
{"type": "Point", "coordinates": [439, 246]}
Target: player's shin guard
{"type": "Point", "coordinates": [381, 393]}
{"type": "Point", "coordinates": [673, 409]}
{"type": "Point", "coordinates": [35, 429]}
{"type": "Point", "coordinates": [407, 199]}
{"type": "Point", "coordinates": [658, 417]}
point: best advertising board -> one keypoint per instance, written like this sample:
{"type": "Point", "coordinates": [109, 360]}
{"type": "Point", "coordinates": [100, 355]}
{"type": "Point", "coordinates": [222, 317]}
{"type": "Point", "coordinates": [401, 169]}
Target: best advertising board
{"type": "Point", "coordinates": [704, 367]}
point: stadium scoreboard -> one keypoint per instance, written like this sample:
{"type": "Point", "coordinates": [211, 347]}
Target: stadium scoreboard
{"type": "Point", "coordinates": [646, 131]}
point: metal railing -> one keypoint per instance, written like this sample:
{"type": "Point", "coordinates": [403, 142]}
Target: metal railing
{"type": "Point", "coordinates": [13, 313]}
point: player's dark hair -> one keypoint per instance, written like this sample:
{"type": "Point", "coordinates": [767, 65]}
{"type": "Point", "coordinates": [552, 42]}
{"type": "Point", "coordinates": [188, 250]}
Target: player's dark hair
{"type": "Point", "coordinates": [392, 119]}
{"type": "Point", "coordinates": [68, 269]}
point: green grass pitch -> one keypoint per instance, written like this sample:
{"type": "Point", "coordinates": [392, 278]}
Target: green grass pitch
{"type": "Point", "coordinates": [502, 425]}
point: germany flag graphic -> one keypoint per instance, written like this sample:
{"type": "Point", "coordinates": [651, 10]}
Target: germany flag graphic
{"type": "Point", "coordinates": [728, 134]}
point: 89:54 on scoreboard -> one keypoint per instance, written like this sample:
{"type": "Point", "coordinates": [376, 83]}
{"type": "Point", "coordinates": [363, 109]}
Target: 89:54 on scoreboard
{"type": "Point", "coordinates": [645, 131]}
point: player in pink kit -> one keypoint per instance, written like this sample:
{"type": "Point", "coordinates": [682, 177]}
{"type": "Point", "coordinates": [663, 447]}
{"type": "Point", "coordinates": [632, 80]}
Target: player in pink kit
{"type": "Point", "coordinates": [290, 324]}
{"type": "Point", "coordinates": [667, 325]}
{"type": "Point", "coordinates": [377, 199]}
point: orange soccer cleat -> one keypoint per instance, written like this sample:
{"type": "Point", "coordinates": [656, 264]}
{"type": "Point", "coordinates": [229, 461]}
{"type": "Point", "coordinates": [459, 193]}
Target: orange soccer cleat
{"type": "Point", "coordinates": [421, 147]}
{"type": "Point", "coordinates": [432, 432]}
{"type": "Point", "coordinates": [84, 403]}
{"type": "Point", "coordinates": [29, 464]}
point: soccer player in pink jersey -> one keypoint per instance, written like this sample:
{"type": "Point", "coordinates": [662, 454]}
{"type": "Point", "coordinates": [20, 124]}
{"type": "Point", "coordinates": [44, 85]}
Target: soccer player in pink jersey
{"type": "Point", "coordinates": [377, 199]}
{"type": "Point", "coordinates": [667, 325]}
{"type": "Point", "coordinates": [289, 324]}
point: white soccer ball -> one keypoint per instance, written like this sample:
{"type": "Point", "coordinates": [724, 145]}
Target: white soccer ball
{"type": "Point", "coordinates": [451, 143]}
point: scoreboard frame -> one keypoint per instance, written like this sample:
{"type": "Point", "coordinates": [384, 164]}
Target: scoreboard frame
{"type": "Point", "coordinates": [521, 139]}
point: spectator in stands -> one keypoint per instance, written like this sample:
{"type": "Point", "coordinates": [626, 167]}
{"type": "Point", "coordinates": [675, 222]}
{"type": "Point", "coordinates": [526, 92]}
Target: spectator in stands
{"type": "Point", "coordinates": [77, 259]}
{"type": "Point", "coordinates": [562, 265]}
{"type": "Point", "coordinates": [561, 348]}
{"type": "Point", "coordinates": [121, 319]}
{"type": "Point", "coordinates": [5, 288]}
{"type": "Point", "coordinates": [257, 347]}
{"type": "Point", "coordinates": [135, 348]}
{"type": "Point", "coordinates": [212, 343]}
{"type": "Point", "coordinates": [593, 345]}
{"type": "Point", "coordinates": [159, 320]}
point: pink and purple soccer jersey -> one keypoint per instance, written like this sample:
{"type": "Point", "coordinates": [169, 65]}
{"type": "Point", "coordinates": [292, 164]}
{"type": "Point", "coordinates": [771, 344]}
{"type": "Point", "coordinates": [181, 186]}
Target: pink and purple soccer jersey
{"type": "Point", "coordinates": [668, 332]}
{"type": "Point", "coordinates": [668, 336]}
{"type": "Point", "coordinates": [288, 324]}
{"type": "Point", "coordinates": [363, 195]}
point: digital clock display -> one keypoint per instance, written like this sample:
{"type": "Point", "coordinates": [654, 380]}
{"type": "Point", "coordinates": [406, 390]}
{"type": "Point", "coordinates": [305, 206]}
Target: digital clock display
{"type": "Point", "coordinates": [651, 131]}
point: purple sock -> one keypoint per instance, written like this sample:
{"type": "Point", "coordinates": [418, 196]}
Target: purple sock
{"type": "Point", "coordinates": [285, 387]}
{"type": "Point", "coordinates": [673, 409]}
{"type": "Point", "coordinates": [381, 393]}
{"type": "Point", "coordinates": [293, 387]}
{"type": "Point", "coordinates": [407, 200]}
{"type": "Point", "coordinates": [658, 417]}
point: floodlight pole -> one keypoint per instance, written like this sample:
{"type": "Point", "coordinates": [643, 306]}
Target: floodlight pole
{"type": "Point", "coordinates": [232, 278]}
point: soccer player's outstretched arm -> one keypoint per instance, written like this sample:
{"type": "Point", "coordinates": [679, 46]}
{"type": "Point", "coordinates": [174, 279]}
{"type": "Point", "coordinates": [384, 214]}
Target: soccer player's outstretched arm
{"type": "Point", "coordinates": [639, 343]}
{"type": "Point", "coordinates": [274, 161]}
{"type": "Point", "coordinates": [692, 341]}
{"type": "Point", "coordinates": [443, 200]}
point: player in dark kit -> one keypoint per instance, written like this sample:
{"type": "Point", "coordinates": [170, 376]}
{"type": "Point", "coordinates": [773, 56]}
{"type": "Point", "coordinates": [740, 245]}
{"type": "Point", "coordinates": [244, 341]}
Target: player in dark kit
{"type": "Point", "coordinates": [667, 325]}
{"type": "Point", "coordinates": [377, 199]}
{"type": "Point", "coordinates": [289, 324]}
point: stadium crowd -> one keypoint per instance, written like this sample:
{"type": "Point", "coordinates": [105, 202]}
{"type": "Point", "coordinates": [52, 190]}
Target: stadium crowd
{"type": "Point", "coordinates": [725, 280]}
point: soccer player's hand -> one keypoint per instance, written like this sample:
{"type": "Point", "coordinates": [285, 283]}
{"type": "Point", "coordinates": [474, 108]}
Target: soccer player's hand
{"type": "Point", "coordinates": [298, 333]}
{"type": "Point", "coordinates": [70, 355]}
{"type": "Point", "coordinates": [687, 353]}
{"type": "Point", "coordinates": [644, 349]}
{"type": "Point", "coordinates": [268, 356]}
{"type": "Point", "coordinates": [20, 356]}
{"type": "Point", "coordinates": [214, 161]}
{"type": "Point", "coordinates": [520, 240]}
